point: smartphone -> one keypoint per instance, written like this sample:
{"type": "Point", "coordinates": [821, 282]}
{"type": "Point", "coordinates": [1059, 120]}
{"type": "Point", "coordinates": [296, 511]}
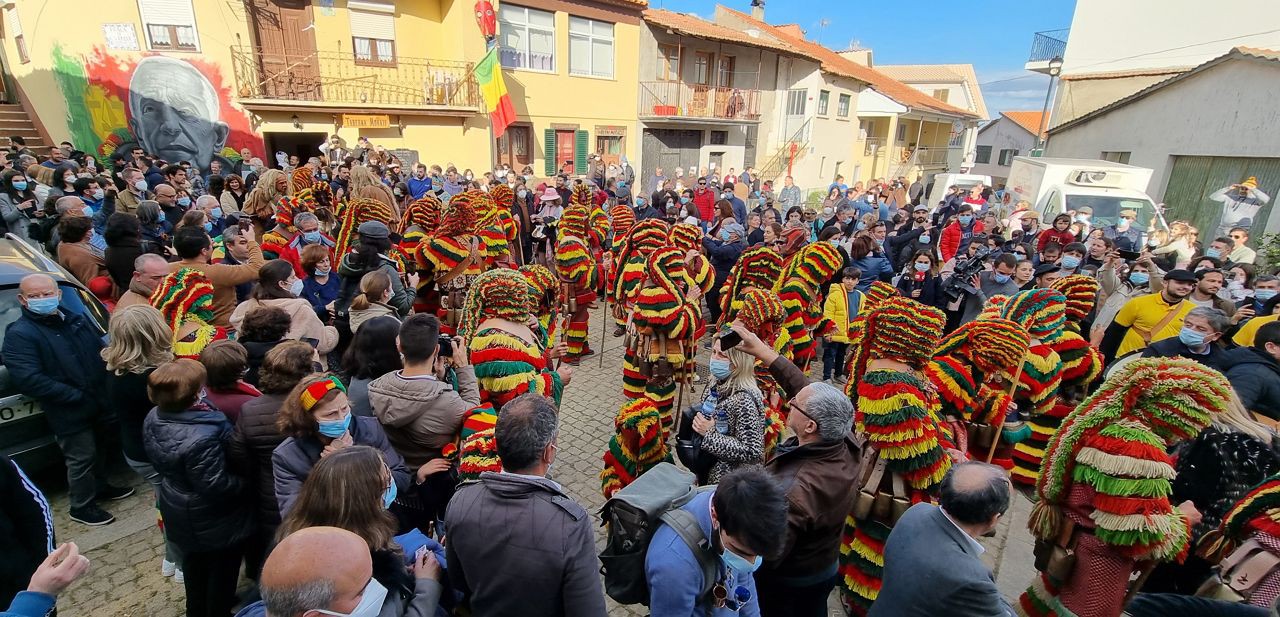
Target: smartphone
{"type": "Point", "coordinates": [729, 340]}
{"type": "Point", "coordinates": [1129, 255]}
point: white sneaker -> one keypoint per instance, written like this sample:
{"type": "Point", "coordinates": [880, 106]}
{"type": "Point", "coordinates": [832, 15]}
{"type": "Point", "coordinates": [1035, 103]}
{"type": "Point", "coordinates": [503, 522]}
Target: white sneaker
{"type": "Point", "coordinates": [167, 568]}
{"type": "Point", "coordinates": [178, 577]}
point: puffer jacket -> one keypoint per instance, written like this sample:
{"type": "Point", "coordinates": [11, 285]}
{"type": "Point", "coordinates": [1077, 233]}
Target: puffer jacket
{"type": "Point", "coordinates": [422, 415]}
{"type": "Point", "coordinates": [204, 504]}
{"type": "Point", "coordinates": [293, 459]}
{"type": "Point", "coordinates": [254, 439]}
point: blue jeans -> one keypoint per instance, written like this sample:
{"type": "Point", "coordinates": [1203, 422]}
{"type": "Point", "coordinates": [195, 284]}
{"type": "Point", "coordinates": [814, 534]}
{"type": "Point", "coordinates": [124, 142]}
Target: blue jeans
{"type": "Point", "coordinates": [1174, 605]}
{"type": "Point", "coordinates": [832, 359]}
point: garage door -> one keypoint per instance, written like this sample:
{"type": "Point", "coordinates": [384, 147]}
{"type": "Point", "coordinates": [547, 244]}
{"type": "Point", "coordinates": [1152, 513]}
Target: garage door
{"type": "Point", "coordinates": [668, 149]}
{"type": "Point", "coordinates": [1194, 178]}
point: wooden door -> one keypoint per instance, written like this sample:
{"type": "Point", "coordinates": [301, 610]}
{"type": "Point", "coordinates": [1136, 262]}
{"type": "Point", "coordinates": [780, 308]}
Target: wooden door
{"type": "Point", "coordinates": [565, 152]}
{"type": "Point", "coordinates": [286, 50]}
{"type": "Point", "coordinates": [513, 147]}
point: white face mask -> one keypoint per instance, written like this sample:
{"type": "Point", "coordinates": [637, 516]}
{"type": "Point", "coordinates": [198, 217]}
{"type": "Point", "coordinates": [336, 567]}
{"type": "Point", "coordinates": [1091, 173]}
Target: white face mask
{"type": "Point", "coordinates": [370, 602]}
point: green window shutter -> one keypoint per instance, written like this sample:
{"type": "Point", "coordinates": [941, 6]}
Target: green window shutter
{"type": "Point", "coordinates": [549, 148]}
{"type": "Point", "coordinates": [580, 152]}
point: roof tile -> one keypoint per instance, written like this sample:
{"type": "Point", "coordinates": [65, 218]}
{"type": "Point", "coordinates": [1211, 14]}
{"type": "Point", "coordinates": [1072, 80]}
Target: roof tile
{"type": "Point", "coordinates": [1028, 120]}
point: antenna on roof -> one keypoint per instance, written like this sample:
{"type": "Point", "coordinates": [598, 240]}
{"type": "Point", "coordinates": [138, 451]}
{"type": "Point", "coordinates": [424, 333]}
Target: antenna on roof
{"type": "Point", "coordinates": [822, 28]}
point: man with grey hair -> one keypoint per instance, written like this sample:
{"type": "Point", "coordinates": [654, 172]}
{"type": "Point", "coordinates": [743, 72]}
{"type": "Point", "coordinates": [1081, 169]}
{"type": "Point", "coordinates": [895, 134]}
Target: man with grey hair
{"type": "Point", "coordinates": [174, 112]}
{"type": "Point", "coordinates": [1202, 329]}
{"type": "Point", "coordinates": [518, 518]}
{"type": "Point", "coordinates": [939, 544]}
{"type": "Point", "coordinates": [814, 467]}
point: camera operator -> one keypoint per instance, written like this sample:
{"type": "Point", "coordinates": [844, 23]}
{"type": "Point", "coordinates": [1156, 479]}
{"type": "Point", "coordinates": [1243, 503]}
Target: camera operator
{"type": "Point", "coordinates": [421, 409]}
{"type": "Point", "coordinates": [985, 284]}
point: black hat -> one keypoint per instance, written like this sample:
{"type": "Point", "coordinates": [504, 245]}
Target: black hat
{"type": "Point", "coordinates": [1180, 275]}
{"type": "Point", "coordinates": [1044, 269]}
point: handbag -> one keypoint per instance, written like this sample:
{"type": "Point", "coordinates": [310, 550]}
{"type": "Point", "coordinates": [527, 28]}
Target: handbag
{"type": "Point", "coordinates": [689, 447]}
{"type": "Point", "coordinates": [1057, 557]}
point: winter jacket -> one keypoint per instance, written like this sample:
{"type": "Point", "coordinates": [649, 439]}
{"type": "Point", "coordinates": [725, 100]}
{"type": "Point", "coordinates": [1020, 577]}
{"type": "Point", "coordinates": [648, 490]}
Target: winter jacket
{"type": "Point", "coordinates": [127, 396]}
{"type": "Point", "coordinates": [374, 311]}
{"type": "Point", "coordinates": [293, 459]}
{"type": "Point", "coordinates": [401, 298]}
{"type": "Point", "coordinates": [81, 261]}
{"type": "Point", "coordinates": [723, 256]}
{"type": "Point", "coordinates": [493, 521]}
{"type": "Point", "coordinates": [303, 323]}
{"type": "Point", "coordinates": [321, 295]}
{"type": "Point", "coordinates": [836, 309]}
{"type": "Point", "coordinates": [742, 443]}
{"type": "Point", "coordinates": [55, 360]}
{"type": "Point", "coordinates": [16, 219]}
{"type": "Point", "coordinates": [422, 414]}
{"type": "Point", "coordinates": [252, 443]}
{"type": "Point", "coordinates": [230, 402]}
{"type": "Point", "coordinates": [204, 504]}
{"type": "Point", "coordinates": [930, 289]}
{"type": "Point", "coordinates": [1255, 377]}
{"type": "Point", "coordinates": [954, 238]}
{"type": "Point", "coordinates": [119, 260]}
{"type": "Point", "coordinates": [1061, 238]}
{"type": "Point", "coordinates": [874, 268]}
{"type": "Point", "coordinates": [26, 530]}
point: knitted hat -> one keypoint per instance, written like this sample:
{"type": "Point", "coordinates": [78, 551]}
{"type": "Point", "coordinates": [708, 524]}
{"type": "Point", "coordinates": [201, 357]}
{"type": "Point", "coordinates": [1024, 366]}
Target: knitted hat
{"type": "Point", "coordinates": [1081, 294]}
{"type": "Point", "coordinates": [635, 447]}
{"type": "Point", "coordinates": [877, 293]}
{"type": "Point", "coordinates": [762, 313]}
{"type": "Point", "coordinates": [459, 217]}
{"type": "Point", "coordinates": [502, 195]}
{"type": "Point", "coordinates": [648, 235]}
{"type": "Point", "coordinates": [574, 222]}
{"type": "Point", "coordinates": [479, 454]}
{"type": "Point", "coordinates": [814, 263]}
{"type": "Point", "coordinates": [1251, 183]}
{"type": "Point", "coordinates": [994, 307]}
{"type": "Point", "coordinates": [500, 292]}
{"type": "Point", "coordinates": [359, 211]}
{"type": "Point", "coordinates": [621, 219]}
{"type": "Point", "coordinates": [685, 237]}
{"type": "Point", "coordinates": [184, 293]}
{"type": "Point", "coordinates": [1041, 311]}
{"type": "Point", "coordinates": [1172, 399]}
{"type": "Point", "coordinates": [992, 345]}
{"type": "Point", "coordinates": [422, 213]}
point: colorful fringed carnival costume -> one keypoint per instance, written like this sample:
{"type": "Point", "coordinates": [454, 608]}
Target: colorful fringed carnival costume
{"type": "Point", "coordinates": [758, 267]}
{"type": "Point", "coordinates": [1104, 490]}
{"type": "Point", "coordinates": [641, 240]}
{"type": "Point", "coordinates": [185, 298]}
{"type": "Point", "coordinates": [976, 353]}
{"type": "Point", "coordinates": [419, 220]}
{"type": "Point", "coordinates": [495, 227]}
{"type": "Point", "coordinates": [275, 243]}
{"type": "Point", "coordinates": [637, 445]}
{"type": "Point", "coordinates": [621, 219]}
{"type": "Point", "coordinates": [578, 280]}
{"type": "Point", "coordinates": [876, 294]}
{"type": "Point", "coordinates": [892, 410]}
{"type": "Point", "coordinates": [479, 454]}
{"type": "Point", "coordinates": [1029, 422]}
{"type": "Point", "coordinates": [456, 257]}
{"type": "Point", "coordinates": [301, 178]}
{"type": "Point", "coordinates": [761, 312]}
{"type": "Point", "coordinates": [509, 359]}
{"type": "Point", "coordinates": [662, 325]}
{"type": "Point", "coordinates": [699, 275]}
{"type": "Point", "coordinates": [799, 289]}
{"type": "Point", "coordinates": [546, 293]}
{"type": "Point", "coordinates": [1254, 518]}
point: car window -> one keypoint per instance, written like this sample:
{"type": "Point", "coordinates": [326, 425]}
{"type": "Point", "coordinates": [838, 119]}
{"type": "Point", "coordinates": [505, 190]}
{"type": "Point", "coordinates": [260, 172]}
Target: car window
{"type": "Point", "coordinates": [1106, 209]}
{"type": "Point", "coordinates": [74, 300]}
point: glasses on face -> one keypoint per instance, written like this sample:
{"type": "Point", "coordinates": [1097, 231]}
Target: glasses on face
{"type": "Point", "coordinates": [1023, 253]}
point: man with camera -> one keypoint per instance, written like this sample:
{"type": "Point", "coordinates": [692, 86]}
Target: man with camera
{"type": "Point", "coordinates": [984, 284]}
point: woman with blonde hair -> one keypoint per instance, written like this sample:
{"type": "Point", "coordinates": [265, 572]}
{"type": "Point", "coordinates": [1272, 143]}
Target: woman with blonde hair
{"type": "Point", "coordinates": [260, 203]}
{"type": "Point", "coordinates": [140, 342]}
{"type": "Point", "coordinates": [371, 302]}
{"type": "Point", "coordinates": [732, 418]}
{"type": "Point", "coordinates": [365, 184]}
{"type": "Point", "coordinates": [1178, 249]}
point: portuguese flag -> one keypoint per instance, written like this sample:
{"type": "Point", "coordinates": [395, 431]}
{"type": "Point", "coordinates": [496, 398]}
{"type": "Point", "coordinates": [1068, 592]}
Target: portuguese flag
{"type": "Point", "coordinates": [489, 74]}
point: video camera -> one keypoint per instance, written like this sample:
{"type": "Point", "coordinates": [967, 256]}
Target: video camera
{"type": "Point", "coordinates": [959, 284]}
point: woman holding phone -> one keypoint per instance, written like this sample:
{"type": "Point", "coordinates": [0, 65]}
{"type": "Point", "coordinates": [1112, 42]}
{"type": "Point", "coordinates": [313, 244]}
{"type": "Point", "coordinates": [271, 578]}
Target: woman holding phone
{"type": "Point", "coordinates": [17, 202]}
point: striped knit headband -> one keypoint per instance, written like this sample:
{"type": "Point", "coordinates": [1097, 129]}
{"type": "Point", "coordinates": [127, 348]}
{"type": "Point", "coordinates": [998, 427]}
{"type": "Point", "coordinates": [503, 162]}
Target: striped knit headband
{"type": "Point", "coordinates": [318, 390]}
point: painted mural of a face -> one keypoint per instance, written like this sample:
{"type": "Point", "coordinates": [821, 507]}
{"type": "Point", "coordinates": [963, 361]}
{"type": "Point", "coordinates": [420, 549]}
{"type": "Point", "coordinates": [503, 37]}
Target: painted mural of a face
{"type": "Point", "coordinates": [173, 112]}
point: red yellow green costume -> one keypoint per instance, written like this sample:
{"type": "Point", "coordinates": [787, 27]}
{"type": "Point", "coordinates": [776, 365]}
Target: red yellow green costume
{"type": "Point", "coordinates": [799, 288]}
{"type": "Point", "coordinates": [1107, 471]}
{"type": "Point", "coordinates": [641, 240]}
{"type": "Point", "coordinates": [419, 221]}
{"type": "Point", "coordinates": [699, 275]}
{"type": "Point", "coordinates": [637, 445]}
{"type": "Point", "coordinates": [506, 364]}
{"type": "Point", "coordinates": [662, 323]}
{"type": "Point", "coordinates": [546, 293]}
{"type": "Point", "coordinates": [962, 367]}
{"type": "Point", "coordinates": [621, 219]}
{"type": "Point", "coordinates": [579, 278]}
{"type": "Point", "coordinates": [761, 312]}
{"type": "Point", "coordinates": [183, 297]}
{"type": "Point", "coordinates": [1041, 312]}
{"type": "Point", "coordinates": [758, 267]}
{"type": "Point", "coordinates": [455, 255]}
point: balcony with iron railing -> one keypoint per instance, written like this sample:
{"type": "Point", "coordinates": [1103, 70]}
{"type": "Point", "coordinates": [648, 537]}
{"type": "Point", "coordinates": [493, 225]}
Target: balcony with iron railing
{"type": "Point", "coordinates": [873, 146]}
{"type": "Point", "coordinates": [684, 101]}
{"type": "Point", "coordinates": [1045, 47]}
{"type": "Point", "coordinates": [338, 80]}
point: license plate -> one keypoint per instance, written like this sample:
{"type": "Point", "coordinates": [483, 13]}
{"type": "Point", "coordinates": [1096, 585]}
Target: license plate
{"type": "Point", "coordinates": [17, 407]}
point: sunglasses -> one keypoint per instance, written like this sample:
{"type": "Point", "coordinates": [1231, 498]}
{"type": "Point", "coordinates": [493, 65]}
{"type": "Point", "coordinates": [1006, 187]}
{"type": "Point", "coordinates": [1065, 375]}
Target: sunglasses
{"type": "Point", "coordinates": [1023, 253]}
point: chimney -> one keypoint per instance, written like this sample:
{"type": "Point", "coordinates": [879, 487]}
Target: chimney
{"type": "Point", "coordinates": [757, 9]}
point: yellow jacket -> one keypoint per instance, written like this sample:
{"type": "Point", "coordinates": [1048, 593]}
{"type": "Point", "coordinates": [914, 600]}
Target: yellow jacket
{"type": "Point", "coordinates": [836, 309]}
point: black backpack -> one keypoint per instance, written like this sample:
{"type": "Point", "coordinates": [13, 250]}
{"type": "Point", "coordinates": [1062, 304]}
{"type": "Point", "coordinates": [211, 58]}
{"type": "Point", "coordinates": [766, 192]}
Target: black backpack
{"type": "Point", "coordinates": [633, 514]}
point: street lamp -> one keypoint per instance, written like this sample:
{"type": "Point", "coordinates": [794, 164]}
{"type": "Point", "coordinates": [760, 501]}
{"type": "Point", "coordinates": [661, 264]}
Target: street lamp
{"type": "Point", "coordinates": [1055, 67]}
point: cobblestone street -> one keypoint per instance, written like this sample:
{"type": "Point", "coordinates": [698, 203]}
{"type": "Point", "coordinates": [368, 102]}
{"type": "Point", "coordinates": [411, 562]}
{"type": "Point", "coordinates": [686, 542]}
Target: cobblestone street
{"type": "Point", "coordinates": [125, 577]}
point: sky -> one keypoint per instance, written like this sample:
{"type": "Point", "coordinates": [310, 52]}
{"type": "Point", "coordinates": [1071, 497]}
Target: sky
{"type": "Point", "coordinates": [992, 35]}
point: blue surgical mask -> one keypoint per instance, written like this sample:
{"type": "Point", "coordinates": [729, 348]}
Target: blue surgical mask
{"type": "Point", "coordinates": [20, 185]}
{"type": "Point", "coordinates": [860, 226]}
{"type": "Point", "coordinates": [1262, 295]}
{"type": "Point", "coordinates": [389, 495]}
{"type": "Point", "coordinates": [1139, 278]}
{"type": "Point", "coordinates": [184, 201]}
{"type": "Point", "coordinates": [724, 235]}
{"type": "Point", "coordinates": [43, 306]}
{"type": "Point", "coordinates": [1070, 261]}
{"type": "Point", "coordinates": [160, 219]}
{"type": "Point", "coordinates": [965, 219]}
{"type": "Point", "coordinates": [921, 267]}
{"type": "Point", "coordinates": [720, 368]}
{"type": "Point", "coordinates": [99, 194]}
{"type": "Point", "coordinates": [684, 200]}
{"type": "Point", "coordinates": [1191, 338]}
{"type": "Point", "coordinates": [738, 564]}
{"type": "Point", "coordinates": [208, 227]}
{"type": "Point", "coordinates": [924, 238]}
{"type": "Point", "coordinates": [88, 211]}
{"type": "Point", "coordinates": [296, 287]}
{"type": "Point", "coordinates": [1000, 278]}
{"type": "Point", "coordinates": [216, 213]}
{"type": "Point", "coordinates": [335, 428]}
{"type": "Point", "coordinates": [1212, 252]}
{"type": "Point", "coordinates": [311, 237]}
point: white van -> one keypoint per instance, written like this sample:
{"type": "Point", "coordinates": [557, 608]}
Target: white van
{"type": "Point", "coordinates": [1054, 186]}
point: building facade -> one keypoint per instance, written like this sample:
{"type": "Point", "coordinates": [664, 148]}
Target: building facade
{"type": "Point", "coordinates": [1012, 134]}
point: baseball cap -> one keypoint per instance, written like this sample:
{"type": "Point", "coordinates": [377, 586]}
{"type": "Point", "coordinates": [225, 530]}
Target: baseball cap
{"type": "Point", "coordinates": [920, 208]}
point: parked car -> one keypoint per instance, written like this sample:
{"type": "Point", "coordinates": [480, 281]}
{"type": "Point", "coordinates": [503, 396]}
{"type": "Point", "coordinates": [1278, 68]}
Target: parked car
{"type": "Point", "coordinates": [24, 434]}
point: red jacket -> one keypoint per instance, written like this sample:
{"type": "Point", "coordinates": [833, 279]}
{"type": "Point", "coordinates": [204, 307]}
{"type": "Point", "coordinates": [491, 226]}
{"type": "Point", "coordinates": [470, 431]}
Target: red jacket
{"type": "Point", "coordinates": [705, 200]}
{"type": "Point", "coordinates": [1052, 234]}
{"type": "Point", "coordinates": [949, 243]}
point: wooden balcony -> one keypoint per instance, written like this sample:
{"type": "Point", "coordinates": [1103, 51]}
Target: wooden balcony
{"type": "Point", "coordinates": [683, 101]}
{"type": "Point", "coordinates": [339, 81]}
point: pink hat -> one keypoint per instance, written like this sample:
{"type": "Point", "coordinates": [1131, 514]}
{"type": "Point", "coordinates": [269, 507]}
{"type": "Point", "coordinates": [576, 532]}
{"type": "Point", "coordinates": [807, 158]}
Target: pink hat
{"type": "Point", "coordinates": [549, 194]}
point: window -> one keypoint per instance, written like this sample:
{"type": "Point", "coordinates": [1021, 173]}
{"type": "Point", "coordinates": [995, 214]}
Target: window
{"type": "Point", "coordinates": [170, 25]}
{"type": "Point", "coordinates": [842, 107]}
{"type": "Point", "coordinates": [724, 77]}
{"type": "Point", "coordinates": [1006, 157]}
{"type": "Point", "coordinates": [590, 47]}
{"type": "Point", "coordinates": [702, 68]}
{"type": "Point", "coordinates": [719, 138]}
{"type": "Point", "coordinates": [983, 156]}
{"type": "Point", "coordinates": [373, 32]}
{"type": "Point", "coordinates": [609, 147]}
{"type": "Point", "coordinates": [14, 28]}
{"type": "Point", "coordinates": [528, 38]}
{"type": "Point", "coordinates": [796, 101]}
{"type": "Point", "coordinates": [824, 98]}
{"type": "Point", "coordinates": [668, 63]}
{"type": "Point", "coordinates": [941, 94]}
{"type": "Point", "coordinates": [902, 132]}
{"type": "Point", "coordinates": [1116, 157]}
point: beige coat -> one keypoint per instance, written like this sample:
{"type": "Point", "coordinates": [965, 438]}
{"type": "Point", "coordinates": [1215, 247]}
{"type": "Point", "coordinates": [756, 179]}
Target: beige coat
{"type": "Point", "coordinates": [377, 309]}
{"type": "Point", "coordinates": [303, 321]}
